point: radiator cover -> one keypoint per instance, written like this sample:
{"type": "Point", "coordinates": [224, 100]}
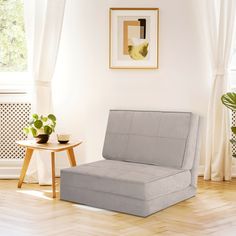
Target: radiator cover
{"type": "Point", "coordinates": [13, 117]}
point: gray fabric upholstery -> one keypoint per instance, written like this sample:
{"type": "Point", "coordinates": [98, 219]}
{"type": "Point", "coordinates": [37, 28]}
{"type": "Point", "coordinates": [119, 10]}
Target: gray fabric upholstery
{"type": "Point", "coordinates": [191, 144]}
{"type": "Point", "coordinates": [194, 170]}
{"type": "Point", "coordinates": [151, 163]}
{"type": "Point", "coordinates": [124, 204]}
{"type": "Point", "coordinates": [134, 180]}
{"type": "Point", "coordinates": [148, 137]}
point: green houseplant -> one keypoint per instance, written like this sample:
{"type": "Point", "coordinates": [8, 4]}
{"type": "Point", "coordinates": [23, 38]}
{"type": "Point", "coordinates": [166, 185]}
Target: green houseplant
{"type": "Point", "coordinates": [229, 100]}
{"type": "Point", "coordinates": [41, 127]}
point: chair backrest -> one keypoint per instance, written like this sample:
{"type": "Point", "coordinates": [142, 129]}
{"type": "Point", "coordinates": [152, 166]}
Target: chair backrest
{"type": "Point", "coordinates": [152, 137]}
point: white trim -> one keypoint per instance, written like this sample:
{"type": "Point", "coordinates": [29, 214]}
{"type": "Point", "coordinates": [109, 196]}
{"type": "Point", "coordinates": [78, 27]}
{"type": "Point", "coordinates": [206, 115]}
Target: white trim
{"type": "Point", "coordinates": [10, 169]}
{"type": "Point", "coordinates": [9, 172]}
{"type": "Point", "coordinates": [13, 172]}
{"type": "Point", "coordinates": [15, 81]}
{"type": "Point", "coordinates": [7, 97]}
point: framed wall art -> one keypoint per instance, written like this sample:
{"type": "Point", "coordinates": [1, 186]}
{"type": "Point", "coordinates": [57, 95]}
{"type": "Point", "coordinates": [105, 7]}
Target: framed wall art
{"type": "Point", "coordinates": [134, 38]}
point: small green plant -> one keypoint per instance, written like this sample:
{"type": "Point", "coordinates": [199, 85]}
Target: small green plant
{"type": "Point", "coordinates": [229, 100]}
{"type": "Point", "coordinates": [40, 124]}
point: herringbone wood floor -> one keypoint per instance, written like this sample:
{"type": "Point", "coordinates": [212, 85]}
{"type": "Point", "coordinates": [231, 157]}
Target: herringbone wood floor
{"type": "Point", "coordinates": [31, 211]}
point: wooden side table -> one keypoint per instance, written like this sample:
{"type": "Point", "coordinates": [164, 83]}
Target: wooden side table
{"type": "Point", "coordinates": [53, 147]}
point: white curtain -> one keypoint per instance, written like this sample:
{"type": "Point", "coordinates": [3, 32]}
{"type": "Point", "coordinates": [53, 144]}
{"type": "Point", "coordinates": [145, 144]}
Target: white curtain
{"type": "Point", "coordinates": [43, 20]}
{"type": "Point", "coordinates": [221, 25]}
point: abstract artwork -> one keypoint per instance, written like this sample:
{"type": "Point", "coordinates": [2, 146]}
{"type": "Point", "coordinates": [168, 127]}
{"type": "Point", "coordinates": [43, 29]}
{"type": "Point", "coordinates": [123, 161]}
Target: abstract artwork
{"type": "Point", "coordinates": [134, 38]}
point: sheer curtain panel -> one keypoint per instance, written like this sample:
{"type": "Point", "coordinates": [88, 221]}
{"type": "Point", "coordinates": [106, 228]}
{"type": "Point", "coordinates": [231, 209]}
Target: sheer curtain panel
{"type": "Point", "coordinates": [220, 19]}
{"type": "Point", "coordinates": [43, 20]}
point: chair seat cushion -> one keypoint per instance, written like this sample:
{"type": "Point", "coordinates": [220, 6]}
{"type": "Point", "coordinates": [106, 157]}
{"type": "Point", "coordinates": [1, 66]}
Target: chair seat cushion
{"type": "Point", "coordinates": [135, 180]}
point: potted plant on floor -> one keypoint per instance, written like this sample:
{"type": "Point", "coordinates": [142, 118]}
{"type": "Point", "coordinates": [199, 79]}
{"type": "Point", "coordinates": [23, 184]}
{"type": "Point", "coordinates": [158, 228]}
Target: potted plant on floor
{"type": "Point", "coordinates": [229, 100]}
{"type": "Point", "coordinates": [41, 127]}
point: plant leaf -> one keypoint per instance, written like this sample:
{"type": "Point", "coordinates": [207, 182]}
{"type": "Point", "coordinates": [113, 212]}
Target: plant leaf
{"type": "Point", "coordinates": [232, 141]}
{"type": "Point", "coordinates": [229, 100]}
{"type": "Point", "coordinates": [31, 122]}
{"type": "Point", "coordinates": [38, 124]}
{"type": "Point", "coordinates": [47, 129]}
{"type": "Point", "coordinates": [233, 129]}
{"type": "Point", "coordinates": [35, 116]}
{"type": "Point", "coordinates": [26, 130]}
{"type": "Point", "coordinates": [44, 119]}
{"type": "Point", "coordinates": [33, 131]}
{"type": "Point", "coordinates": [52, 117]}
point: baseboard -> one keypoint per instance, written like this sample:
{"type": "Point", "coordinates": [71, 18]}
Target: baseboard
{"type": "Point", "coordinates": [10, 169]}
{"type": "Point", "coordinates": [13, 172]}
{"type": "Point", "coordinates": [9, 172]}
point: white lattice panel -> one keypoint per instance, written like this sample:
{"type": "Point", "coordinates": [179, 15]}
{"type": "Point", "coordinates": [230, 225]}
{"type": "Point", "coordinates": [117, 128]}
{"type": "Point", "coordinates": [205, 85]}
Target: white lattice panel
{"type": "Point", "coordinates": [13, 117]}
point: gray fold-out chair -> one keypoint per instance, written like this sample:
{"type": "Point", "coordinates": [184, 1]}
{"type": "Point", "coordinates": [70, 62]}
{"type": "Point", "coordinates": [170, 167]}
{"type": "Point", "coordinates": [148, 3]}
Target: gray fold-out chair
{"type": "Point", "coordinates": [151, 161]}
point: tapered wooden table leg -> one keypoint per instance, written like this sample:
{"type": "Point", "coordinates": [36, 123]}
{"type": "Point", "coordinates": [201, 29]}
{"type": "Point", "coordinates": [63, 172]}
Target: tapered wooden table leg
{"type": "Point", "coordinates": [71, 156]}
{"type": "Point", "coordinates": [53, 174]}
{"type": "Point", "coordinates": [53, 147]}
{"type": "Point", "coordinates": [28, 155]}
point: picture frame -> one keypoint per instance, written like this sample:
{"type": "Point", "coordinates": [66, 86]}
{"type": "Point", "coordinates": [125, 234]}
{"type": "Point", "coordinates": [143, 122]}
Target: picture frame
{"type": "Point", "coordinates": [133, 38]}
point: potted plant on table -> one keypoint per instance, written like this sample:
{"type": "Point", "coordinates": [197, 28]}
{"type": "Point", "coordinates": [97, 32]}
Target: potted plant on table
{"type": "Point", "coordinates": [229, 100]}
{"type": "Point", "coordinates": [41, 127]}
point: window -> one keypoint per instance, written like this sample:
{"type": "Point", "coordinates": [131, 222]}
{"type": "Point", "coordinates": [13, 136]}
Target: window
{"type": "Point", "coordinates": [13, 53]}
{"type": "Point", "coordinates": [14, 76]}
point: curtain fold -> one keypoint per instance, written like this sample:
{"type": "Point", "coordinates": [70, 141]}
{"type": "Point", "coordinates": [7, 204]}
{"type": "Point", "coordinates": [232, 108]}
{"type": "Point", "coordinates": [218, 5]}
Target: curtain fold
{"type": "Point", "coordinates": [43, 21]}
{"type": "Point", "coordinates": [221, 27]}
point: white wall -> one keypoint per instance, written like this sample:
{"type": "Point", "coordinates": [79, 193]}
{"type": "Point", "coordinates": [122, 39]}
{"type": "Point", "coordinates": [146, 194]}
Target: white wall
{"type": "Point", "coordinates": [85, 88]}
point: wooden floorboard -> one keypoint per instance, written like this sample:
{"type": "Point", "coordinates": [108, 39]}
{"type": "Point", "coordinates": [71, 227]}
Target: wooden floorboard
{"type": "Point", "coordinates": [30, 211]}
